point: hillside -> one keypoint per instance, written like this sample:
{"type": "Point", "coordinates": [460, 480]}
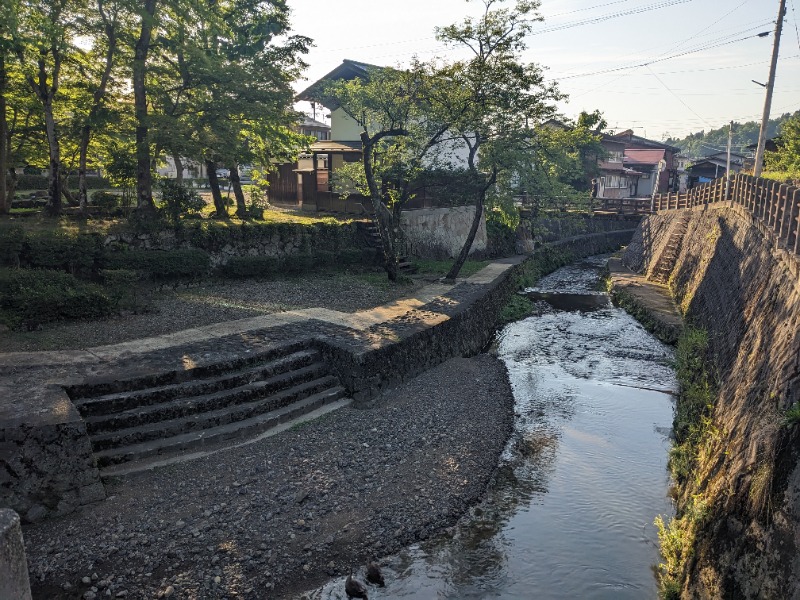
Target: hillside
{"type": "Point", "coordinates": [704, 143]}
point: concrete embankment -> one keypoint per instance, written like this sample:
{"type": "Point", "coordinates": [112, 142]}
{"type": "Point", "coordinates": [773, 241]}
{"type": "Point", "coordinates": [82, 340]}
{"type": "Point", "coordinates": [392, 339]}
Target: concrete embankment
{"type": "Point", "coordinates": [730, 277]}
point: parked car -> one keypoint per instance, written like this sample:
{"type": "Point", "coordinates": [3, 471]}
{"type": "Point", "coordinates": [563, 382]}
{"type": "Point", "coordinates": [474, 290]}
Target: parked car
{"type": "Point", "coordinates": [223, 173]}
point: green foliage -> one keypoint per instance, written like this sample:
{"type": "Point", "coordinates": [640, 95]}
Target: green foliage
{"type": "Point", "coordinates": [518, 307]}
{"type": "Point", "coordinates": [104, 199]}
{"type": "Point", "coordinates": [75, 253]}
{"type": "Point", "coordinates": [122, 286]}
{"type": "Point", "coordinates": [792, 415]}
{"type": "Point", "coordinates": [245, 267]}
{"type": "Point", "coordinates": [676, 540]}
{"type": "Point", "coordinates": [502, 238]}
{"type": "Point", "coordinates": [704, 143]}
{"type": "Point", "coordinates": [29, 298]}
{"type": "Point", "coordinates": [787, 156]}
{"type": "Point", "coordinates": [698, 391]}
{"type": "Point", "coordinates": [40, 182]}
{"type": "Point", "coordinates": [178, 200]}
{"type": "Point", "coordinates": [12, 243]}
{"type": "Point", "coordinates": [161, 265]}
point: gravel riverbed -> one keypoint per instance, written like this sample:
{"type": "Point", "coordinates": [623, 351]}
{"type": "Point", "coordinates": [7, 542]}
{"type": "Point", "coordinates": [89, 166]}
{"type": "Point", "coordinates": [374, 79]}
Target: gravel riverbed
{"type": "Point", "coordinates": [284, 514]}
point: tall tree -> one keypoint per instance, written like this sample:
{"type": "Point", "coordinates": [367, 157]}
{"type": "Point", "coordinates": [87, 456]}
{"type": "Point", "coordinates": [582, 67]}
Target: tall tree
{"type": "Point", "coordinates": [146, 11]}
{"type": "Point", "coordinates": [501, 97]}
{"type": "Point", "coordinates": [8, 31]}
{"type": "Point", "coordinates": [42, 43]}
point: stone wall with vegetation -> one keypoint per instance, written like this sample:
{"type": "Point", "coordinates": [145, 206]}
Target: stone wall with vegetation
{"type": "Point", "coordinates": [738, 525]}
{"type": "Point", "coordinates": [532, 233]}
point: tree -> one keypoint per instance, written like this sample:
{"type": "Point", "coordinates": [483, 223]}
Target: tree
{"type": "Point", "coordinates": [399, 133]}
{"type": "Point", "coordinates": [500, 99]}
{"type": "Point", "coordinates": [787, 156]}
{"type": "Point", "coordinates": [42, 42]}
{"type": "Point", "coordinates": [146, 11]}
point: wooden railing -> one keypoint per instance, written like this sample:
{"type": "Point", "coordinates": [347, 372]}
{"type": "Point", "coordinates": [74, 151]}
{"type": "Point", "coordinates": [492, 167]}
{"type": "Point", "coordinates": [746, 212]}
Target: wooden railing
{"type": "Point", "coordinates": [776, 205]}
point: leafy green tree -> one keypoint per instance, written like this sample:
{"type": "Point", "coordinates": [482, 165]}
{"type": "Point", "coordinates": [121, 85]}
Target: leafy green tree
{"type": "Point", "coordinates": [399, 134]}
{"type": "Point", "coordinates": [787, 156]}
{"type": "Point", "coordinates": [496, 99]}
{"type": "Point", "coordinates": [43, 42]}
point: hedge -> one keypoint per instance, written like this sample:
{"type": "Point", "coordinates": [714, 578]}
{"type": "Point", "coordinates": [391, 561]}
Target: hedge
{"type": "Point", "coordinates": [41, 182]}
{"type": "Point", "coordinates": [161, 265]}
{"type": "Point", "coordinates": [29, 297]}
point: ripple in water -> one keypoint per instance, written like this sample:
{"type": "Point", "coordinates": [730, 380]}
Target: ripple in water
{"type": "Point", "coordinates": [571, 512]}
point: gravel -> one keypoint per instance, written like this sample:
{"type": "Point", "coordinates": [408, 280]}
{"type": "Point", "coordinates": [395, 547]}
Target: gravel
{"type": "Point", "coordinates": [285, 514]}
{"type": "Point", "coordinates": [171, 310]}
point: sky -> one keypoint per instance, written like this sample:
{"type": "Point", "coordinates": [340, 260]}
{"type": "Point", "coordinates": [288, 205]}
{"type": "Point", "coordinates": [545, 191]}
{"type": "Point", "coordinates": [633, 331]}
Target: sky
{"type": "Point", "coordinates": [659, 67]}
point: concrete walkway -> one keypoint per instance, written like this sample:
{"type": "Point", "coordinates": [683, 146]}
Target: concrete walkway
{"type": "Point", "coordinates": [650, 302]}
{"type": "Point", "coordinates": [359, 321]}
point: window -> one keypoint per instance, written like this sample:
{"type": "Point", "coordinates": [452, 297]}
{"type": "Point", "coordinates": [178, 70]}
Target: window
{"type": "Point", "coordinates": [615, 156]}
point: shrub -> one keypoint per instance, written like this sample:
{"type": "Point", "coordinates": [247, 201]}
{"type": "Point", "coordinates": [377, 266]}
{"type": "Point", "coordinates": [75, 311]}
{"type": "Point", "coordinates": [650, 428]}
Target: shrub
{"type": "Point", "coordinates": [122, 286]}
{"type": "Point", "coordinates": [31, 297]}
{"type": "Point", "coordinates": [242, 267]}
{"type": "Point", "coordinates": [298, 263]}
{"type": "Point", "coordinates": [104, 199]}
{"type": "Point", "coordinates": [161, 265]}
{"type": "Point", "coordinates": [77, 254]}
{"type": "Point", "coordinates": [179, 199]}
{"type": "Point", "coordinates": [40, 182]}
{"type": "Point", "coordinates": [12, 243]}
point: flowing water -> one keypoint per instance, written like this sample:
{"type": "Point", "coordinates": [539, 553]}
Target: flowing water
{"type": "Point", "coordinates": [584, 474]}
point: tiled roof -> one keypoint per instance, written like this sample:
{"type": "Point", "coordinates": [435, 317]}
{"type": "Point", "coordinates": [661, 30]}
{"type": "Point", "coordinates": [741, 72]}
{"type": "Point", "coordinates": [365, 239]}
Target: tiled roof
{"type": "Point", "coordinates": [635, 156]}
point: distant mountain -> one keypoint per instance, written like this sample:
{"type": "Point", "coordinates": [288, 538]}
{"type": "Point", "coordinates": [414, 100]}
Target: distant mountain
{"type": "Point", "coordinates": [704, 143]}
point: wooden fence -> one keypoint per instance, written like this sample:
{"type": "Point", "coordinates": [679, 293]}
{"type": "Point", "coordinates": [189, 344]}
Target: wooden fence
{"type": "Point", "coordinates": [776, 205]}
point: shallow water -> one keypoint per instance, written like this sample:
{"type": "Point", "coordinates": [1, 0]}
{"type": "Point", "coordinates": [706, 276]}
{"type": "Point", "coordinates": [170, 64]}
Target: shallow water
{"type": "Point", "coordinates": [584, 474]}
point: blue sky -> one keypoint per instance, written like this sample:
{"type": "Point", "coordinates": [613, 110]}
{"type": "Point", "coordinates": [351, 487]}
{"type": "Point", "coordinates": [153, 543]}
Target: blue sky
{"type": "Point", "coordinates": [592, 48]}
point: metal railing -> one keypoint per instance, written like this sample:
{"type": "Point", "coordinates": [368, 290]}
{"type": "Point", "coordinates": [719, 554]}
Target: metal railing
{"type": "Point", "coordinates": [774, 204]}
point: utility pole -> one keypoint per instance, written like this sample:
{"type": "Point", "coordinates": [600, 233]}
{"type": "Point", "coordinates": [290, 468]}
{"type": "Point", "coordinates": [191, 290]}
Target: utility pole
{"type": "Point", "coordinates": [728, 161]}
{"type": "Point", "coordinates": [762, 136]}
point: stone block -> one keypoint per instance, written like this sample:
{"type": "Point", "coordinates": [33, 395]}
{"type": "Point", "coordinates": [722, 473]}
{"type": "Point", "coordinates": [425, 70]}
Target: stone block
{"type": "Point", "coordinates": [14, 583]}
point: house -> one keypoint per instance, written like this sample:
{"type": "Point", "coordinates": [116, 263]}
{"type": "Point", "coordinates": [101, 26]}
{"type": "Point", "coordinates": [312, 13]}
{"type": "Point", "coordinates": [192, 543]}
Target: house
{"type": "Point", "coordinates": [710, 168]}
{"type": "Point", "coordinates": [344, 146]}
{"type": "Point", "coordinates": [645, 156]}
{"type": "Point", "coordinates": [615, 180]}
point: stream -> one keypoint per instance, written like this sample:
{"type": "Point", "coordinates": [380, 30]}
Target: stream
{"type": "Point", "coordinates": [584, 474]}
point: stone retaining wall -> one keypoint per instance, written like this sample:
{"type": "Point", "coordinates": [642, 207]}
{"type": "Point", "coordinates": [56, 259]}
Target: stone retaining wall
{"type": "Point", "coordinates": [531, 234]}
{"type": "Point", "coordinates": [46, 464]}
{"type": "Point", "coordinates": [733, 280]}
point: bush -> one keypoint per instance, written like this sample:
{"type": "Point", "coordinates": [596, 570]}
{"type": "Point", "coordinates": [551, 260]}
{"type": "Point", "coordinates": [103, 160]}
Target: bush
{"type": "Point", "coordinates": [298, 263]}
{"type": "Point", "coordinates": [12, 243]}
{"type": "Point", "coordinates": [243, 267]}
{"type": "Point", "coordinates": [41, 182]}
{"type": "Point", "coordinates": [179, 199]}
{"type": "Point", "coordinates": [77, 254]}
{"type": "Point", "coordinates": [502, 239]}
{"type": "Point", "coordinates": [161, 265]}
{"type": "Point", "coordinates": [104, 199]}
{"type": "Point", "coordinates": [31, 297]}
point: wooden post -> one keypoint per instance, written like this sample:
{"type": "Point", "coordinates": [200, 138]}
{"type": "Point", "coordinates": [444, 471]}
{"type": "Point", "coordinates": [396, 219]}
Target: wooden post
{"type": "Point", "coordinates": [794, 219]}
{"type": "Point", "coordinates": [785, 196]}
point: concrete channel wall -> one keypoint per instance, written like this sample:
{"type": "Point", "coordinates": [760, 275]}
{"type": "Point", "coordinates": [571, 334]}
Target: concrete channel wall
{"type": "Point", "coordinates": [732, 278]}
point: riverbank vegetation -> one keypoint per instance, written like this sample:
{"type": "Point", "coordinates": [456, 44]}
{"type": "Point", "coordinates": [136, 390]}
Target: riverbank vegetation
{"type": "Point", "coordinates": [692, 429]}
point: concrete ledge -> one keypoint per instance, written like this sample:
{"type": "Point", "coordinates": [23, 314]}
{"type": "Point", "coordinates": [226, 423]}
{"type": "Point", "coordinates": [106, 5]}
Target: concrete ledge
{"type": "Point", "coordinates": [14, 584]}
{"type": "Point", "coordinates": [649, 303]}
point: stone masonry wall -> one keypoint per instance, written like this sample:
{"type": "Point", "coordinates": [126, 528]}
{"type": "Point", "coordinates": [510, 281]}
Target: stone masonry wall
{"type": "Point", "coordinates": [732, 280]}
{"type": "Point", "coordinates": [441, 232]}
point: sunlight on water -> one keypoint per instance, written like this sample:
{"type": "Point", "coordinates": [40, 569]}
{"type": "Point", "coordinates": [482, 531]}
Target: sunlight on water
{"type": "Point", "coordinates": [583, 476]}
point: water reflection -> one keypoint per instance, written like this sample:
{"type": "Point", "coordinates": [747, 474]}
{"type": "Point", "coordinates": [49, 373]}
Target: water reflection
{"type": "Point", "coordinates": [570, 513]}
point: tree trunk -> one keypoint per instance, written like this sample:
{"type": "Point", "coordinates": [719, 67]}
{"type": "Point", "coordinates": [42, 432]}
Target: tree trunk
{"type": "Point", "coordinates": [11, 185]}
{"type": "Point", "coordinates": [476, 221]}
{"type": "Point", "coordinates": [383, 217]}
{"type": "Point", "coordinates": [178, 169]}
{"type": "Point", "coordinates": [219, 204]}
{"type": "Point", "coordinates": [83, 190]}
{"type": "Point", "coordinates": [144, 179]}
{"type": "Point", "coordinates": [236, 182]}
{"type": "Point", "coordinates": [54, 187]}
{"type": "Point", "coordinates": [5, 198]}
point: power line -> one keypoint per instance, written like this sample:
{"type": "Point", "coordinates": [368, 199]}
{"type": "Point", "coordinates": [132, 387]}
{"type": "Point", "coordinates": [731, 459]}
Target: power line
{"type": "Point", "coordinates": [662, 59]}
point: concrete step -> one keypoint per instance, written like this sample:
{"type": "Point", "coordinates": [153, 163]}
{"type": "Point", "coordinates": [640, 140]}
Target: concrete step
{"type": "Point", "coordinates": [127, 400]}
{"type": "Point", "coordinates": [93, 389]}
{"type": "Point", "coordinates": [221, 434]}
{"type": "Point", "coordinates": [259, 403]}
{"type": "Point", "coordinates": [176, 407]}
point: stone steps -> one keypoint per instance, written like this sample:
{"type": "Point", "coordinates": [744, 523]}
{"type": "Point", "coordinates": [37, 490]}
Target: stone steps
{"type": "Point", "coordinates": [663, 268]}
{"type": "Point", "coordinates": [163, 415]}
{"type": "Point", "coordinates": [215, 436]}
{"type": "Point", "coordinates": [132, 399]}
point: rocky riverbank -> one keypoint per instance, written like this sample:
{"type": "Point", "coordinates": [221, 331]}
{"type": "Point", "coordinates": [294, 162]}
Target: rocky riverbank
{"type": "Point", "coordinates": [284, 514]}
